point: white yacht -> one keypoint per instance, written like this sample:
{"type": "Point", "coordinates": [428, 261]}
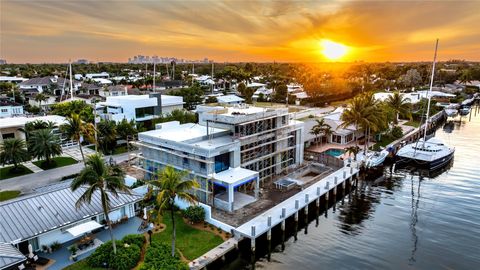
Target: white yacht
{"type": "Point", "coordinates": [431, 154]}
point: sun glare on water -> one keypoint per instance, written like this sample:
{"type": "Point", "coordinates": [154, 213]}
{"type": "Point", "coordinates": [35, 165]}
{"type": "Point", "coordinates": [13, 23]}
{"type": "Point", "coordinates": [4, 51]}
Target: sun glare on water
{"type": "Point", "coordinates": [333, 50]}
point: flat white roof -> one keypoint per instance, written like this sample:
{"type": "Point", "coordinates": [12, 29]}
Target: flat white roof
{"type": "Point", "coordinates": [236, 175]}
{"type": "Point", "coordinates": [20, 121]}
{"type": "Point", "coordinates": [181, 133]}
{"type": "Point", "coordinates": [244, 110]}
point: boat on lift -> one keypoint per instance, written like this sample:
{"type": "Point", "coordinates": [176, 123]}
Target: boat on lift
{"type": "Point", "coordinates": [375, 159]}
{"type": "Point", "coordinates": [465, 110]}
{"type": "Point", "coordinates": [425, 153]}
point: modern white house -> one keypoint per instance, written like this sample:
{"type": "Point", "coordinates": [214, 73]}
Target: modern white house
{"type": "Point", "coordinates": [138, 107]}
{"type": "Point", "coordinates": [230, 152]}
{"type": "Point", "coordinates": [12, 127]}
{"type": "Point", "coordinates": [42, 218]}
{"type": "Point", "coordinates": [10, 108]}
{"type": "Point", "coordinates": [413, 97]}
{"type": "Point", "coordinates": [50, 100]}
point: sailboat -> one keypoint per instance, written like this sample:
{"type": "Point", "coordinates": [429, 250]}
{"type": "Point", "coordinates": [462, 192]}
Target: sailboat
{"type": "Point", "coordinates": [430, 154]}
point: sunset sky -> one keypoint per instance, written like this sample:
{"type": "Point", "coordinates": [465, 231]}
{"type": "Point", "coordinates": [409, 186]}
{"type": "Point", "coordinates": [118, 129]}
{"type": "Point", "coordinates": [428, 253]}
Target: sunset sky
{"type": "Point", "coordinates": [113, 30]}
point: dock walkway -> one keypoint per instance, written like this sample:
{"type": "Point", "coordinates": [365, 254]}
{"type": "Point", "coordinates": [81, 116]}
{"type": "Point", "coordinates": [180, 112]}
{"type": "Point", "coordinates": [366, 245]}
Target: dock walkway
{"type": "Point", "coordinates": [260, 224]}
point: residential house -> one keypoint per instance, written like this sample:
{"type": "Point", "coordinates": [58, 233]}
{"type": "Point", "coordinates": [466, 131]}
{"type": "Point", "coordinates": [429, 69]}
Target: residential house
{"type": "Point", "coordinates": [42, 218]}
{"type": "Point", "coordinates": [12, 127]}
{"type": "Point", "coordinates": [9, 108]}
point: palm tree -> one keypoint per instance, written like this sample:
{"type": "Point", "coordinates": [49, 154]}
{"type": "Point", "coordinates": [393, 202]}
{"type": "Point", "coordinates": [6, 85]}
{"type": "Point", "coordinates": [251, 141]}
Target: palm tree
{"type": "Point", "coordinates": [172, 184]}
{"type": "Point", "coordinates": [315, 131]}
{"type": "Point", "coordinates": [353, 150]}
{"type": "Point", "coordinates": [107, 135]}
{"type": "Point", "coordinates": [13, 151]}
{"type": "Point", "coordinates": [75, 129]}
{"type": "Point", "coordinates": [40, 97]}
{"type": "Point", "coordinates": [105, 179]}
{"type": "Point", "coordinates": [399, 105]}
{"type": "Point", "coordinates": [43, 144]}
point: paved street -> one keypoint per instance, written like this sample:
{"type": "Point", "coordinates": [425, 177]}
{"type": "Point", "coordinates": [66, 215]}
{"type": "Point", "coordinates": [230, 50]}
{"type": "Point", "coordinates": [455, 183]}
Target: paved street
{"type": "Point", "coordinates": [27, 183]}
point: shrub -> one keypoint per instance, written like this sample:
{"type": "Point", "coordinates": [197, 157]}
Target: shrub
{"type": "Point", "coordinates": [126, 257]}
{"type": "Point", "coordinates": [55, 246]}
{"type": "Point", "coordinates": [136, 239]}
{"type": "Point", "coordinates": [158, 256]}
{"type": "Point", "coordinates": [396, 132]}
{"type": "Point", "coordinates": [194, 214]}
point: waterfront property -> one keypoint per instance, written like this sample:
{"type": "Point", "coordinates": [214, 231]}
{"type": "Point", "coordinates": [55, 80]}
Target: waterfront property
{"type": "Point", "coordinates": [230, 152]}
{"type": "Point", "coordinates": [46, 218]}
{"type": "Point", "coordinates": [340, 136]}
{"type": "Point", "coordinates": [138, 108]}
{"type": "Point", "coordinates": [9, 108]}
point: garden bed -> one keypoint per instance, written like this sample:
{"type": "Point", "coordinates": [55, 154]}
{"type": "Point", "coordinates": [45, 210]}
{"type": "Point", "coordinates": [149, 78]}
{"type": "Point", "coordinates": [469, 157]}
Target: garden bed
{"type": "Point", "coordinates": [5, 172]}
{"type": "Point", "coordinates": [8, 195]}
{"type": "Point", "coordinates": [56, 162]}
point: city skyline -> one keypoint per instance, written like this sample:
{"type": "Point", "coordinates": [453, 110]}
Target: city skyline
{"type": "Point", "coordinates": [237, 31]}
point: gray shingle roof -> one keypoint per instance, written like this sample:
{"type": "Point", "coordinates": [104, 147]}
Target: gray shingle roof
{"type": "Point", "coordinates": [9, 255]}
{"type": "Point", "coordinates": [27, 217]}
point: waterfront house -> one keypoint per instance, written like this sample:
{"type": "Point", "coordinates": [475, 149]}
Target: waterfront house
{"type": "Point", "coordinates": [113, 91]}
{"type": "Point", "coordinates": [230, 151]}
{"type": "Point", "coordinates": [50, 216]}
{"type": "Point", "coordinates": [10, 256]}
{"type": "Point", "coordinates": [54, 84]}
{"type": "Point", "coordinates": [229, 99]}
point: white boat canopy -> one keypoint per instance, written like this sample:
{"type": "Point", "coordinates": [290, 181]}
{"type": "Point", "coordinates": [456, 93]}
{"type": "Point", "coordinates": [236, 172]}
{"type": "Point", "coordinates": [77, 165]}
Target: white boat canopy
{"type": "Point", "coordinates": [84, 228]}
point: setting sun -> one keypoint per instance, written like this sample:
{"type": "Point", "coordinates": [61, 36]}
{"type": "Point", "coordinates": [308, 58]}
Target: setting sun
{"type": "Point", "coordinates": [333, 50]}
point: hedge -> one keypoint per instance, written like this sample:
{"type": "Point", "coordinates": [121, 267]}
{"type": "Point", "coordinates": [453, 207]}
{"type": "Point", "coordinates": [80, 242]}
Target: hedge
{"type": "Point", "coordinates": [126, 257]}
{"type": "Point", "coordinates": [194, 214]}
{"type": "Point", "coordinates": [159, 256]}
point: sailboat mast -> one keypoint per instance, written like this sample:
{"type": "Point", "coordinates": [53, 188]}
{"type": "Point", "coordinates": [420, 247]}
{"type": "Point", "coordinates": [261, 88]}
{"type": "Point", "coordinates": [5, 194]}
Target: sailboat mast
{"type": "Point", "coordinates": [71, 82]}
{"type": "Point", "coordinates": [154, 64]}
{"type": "Point", "coordinates": [429, 94]}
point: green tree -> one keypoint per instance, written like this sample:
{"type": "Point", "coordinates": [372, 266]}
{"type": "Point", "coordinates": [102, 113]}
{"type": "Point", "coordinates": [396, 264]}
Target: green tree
{"type": "Point", "coordinates": [40, 97]}
{"type": "Point", "coordinates": [98, 177]}
{"type": "Point", "coordinates": [13, 151]}
{"type": "Point", "coordinates": [76, 129]}
{"type": "Point", "coordinates": [107, 136]}
{"type": "Point", "coordinates": [127, 130]}
{"type": "Point", "coordinates": [172, 184]}
{"type": "Point", "coordinates": [281, 93]}
{"type": "Point", "coordinates": [44, 144]}
{"type": "Point", "coordinates": [192, 96]}
{"type": "Point", "coordinates": [399, 105]}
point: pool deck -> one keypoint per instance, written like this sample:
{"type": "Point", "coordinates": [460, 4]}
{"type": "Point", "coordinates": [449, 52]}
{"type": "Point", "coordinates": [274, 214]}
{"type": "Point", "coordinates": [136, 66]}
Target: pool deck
{"type": "Point", "coordinates": [260, 224]}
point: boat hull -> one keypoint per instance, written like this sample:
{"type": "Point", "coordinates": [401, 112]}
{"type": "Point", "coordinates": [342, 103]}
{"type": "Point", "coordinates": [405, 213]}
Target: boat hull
{"type": "Point", "coordinates": [421, 164]}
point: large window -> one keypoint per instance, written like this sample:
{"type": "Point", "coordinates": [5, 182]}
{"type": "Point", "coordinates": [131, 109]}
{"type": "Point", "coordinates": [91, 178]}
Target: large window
{"type": "Point", "coordinates": [336, 138]}
{"type": "Point", "coordinates": [142, 112]}
{"type": "Point", "coordinates": [349, 138]}
{"type": "Point", "coordinates": [222, 162]}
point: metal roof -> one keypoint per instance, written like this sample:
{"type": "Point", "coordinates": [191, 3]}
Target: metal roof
{"type": "Point", "coordinates": [9, 255]}
{"type": "Point", "coordinates": [30, 216]}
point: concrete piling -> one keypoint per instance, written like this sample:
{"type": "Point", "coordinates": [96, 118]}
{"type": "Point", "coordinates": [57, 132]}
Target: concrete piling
{"type": "Point", "coordinates": [252, 258]}
{"type": "Point", "coordinates": [269, 237]}
{"type": "Point", "coordinates": [306, 213]}
{"type": "Point", "coordinates": [295, 228]}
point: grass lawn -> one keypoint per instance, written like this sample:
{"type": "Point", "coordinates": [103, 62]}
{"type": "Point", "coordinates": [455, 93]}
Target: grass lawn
{"type": "Point", "coordinates": [120, 149]}
{"type": "Point", "coordinates": [5, 172]}
{"type": "Point", "coordinates": [8, 194]}
{"type": "Point", "coordinates": [190, 241]}
{"type": "Point", "coordinates": [81, 265]}
{"type": "Point", "coordinates": [412, 123]}
{"type": "Point", "coordinates": [57, 162]}
{"type": "Point", "coordinates": [382, 143]}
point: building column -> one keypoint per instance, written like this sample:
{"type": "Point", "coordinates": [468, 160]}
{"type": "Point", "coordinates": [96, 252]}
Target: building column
{"type": "Point", "coordinates": [257, 187]}
{"type": "Point", "coordinates": [230, 197]}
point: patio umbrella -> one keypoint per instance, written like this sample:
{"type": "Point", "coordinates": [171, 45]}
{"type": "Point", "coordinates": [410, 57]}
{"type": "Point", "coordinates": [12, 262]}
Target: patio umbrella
{"type": "Point", "coordinates": [145, 213]}
{"type": "Point", "coordinates": [30, 251]}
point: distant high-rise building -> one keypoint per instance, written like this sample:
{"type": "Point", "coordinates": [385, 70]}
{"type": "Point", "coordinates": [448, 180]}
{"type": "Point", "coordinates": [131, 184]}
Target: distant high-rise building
{"type": "Point", "coordinates": [81, 61]}
{"type": "Point", "coordinates": [3, 61]}
{"type": "Point", "coordinates": [142, 59]}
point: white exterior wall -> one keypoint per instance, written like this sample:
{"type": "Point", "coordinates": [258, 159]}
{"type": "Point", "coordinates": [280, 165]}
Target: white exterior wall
{"type": "Point", "coordinates": [9, 111]}
{"type": "Point", "coordinates": [170, 108]}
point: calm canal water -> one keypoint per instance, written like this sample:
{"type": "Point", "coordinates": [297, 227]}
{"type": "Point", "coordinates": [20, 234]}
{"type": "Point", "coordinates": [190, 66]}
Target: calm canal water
{"type": "Point", "coordinates": [403, 221]}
